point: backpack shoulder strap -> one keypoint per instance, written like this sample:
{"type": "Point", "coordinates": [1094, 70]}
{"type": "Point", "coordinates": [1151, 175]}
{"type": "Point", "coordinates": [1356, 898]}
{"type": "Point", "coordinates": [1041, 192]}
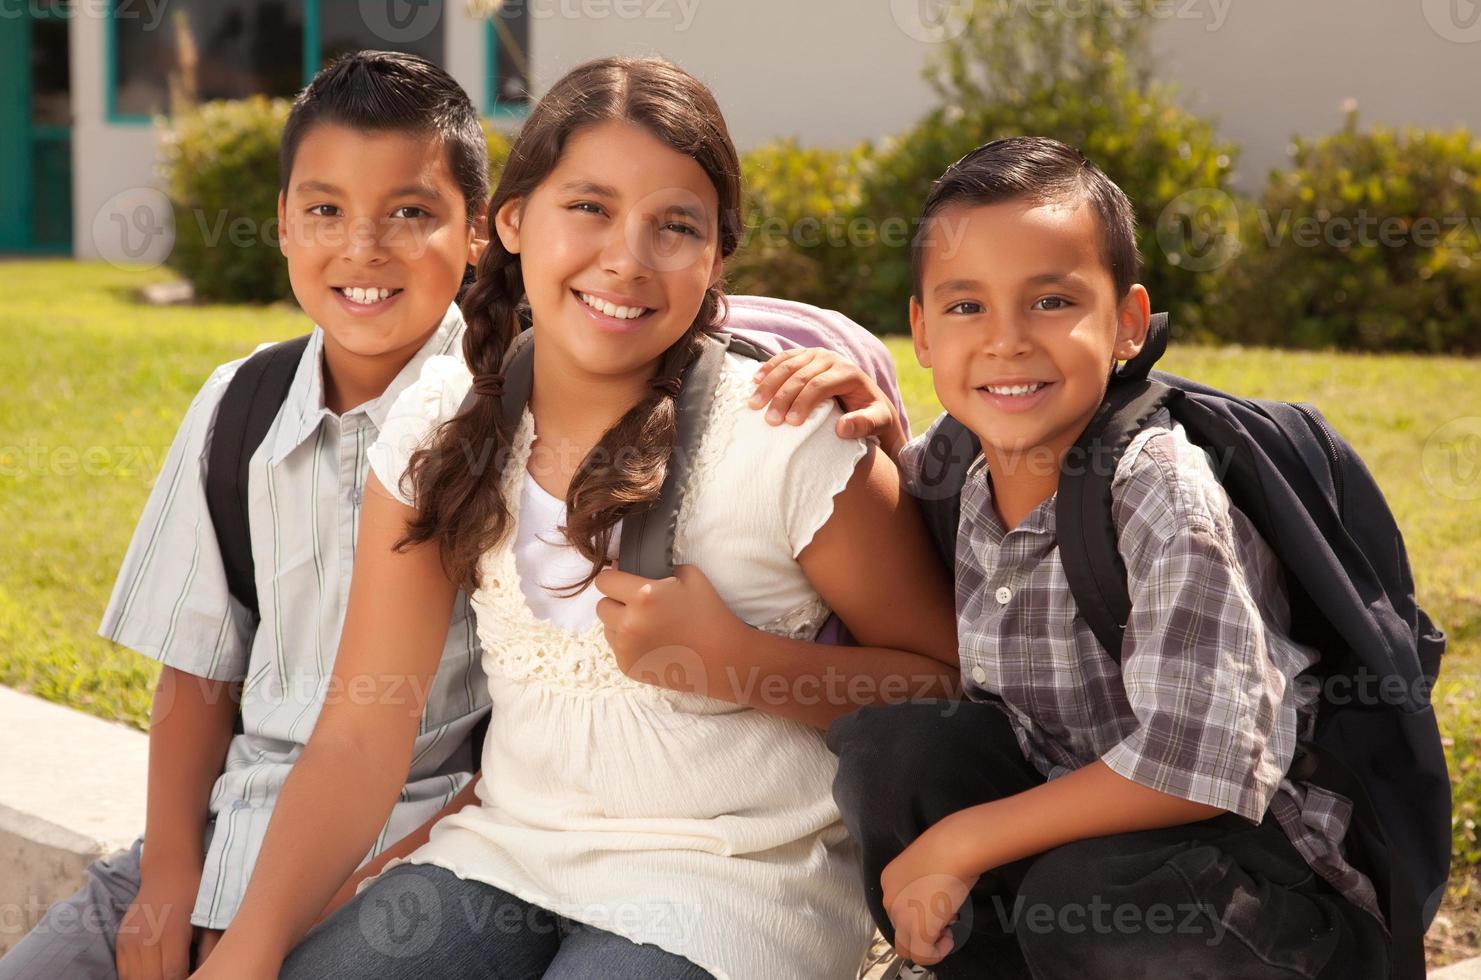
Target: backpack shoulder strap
{"type": "Point", "coordinates": [950, 449]}
{"type": "Point", "coordinates": [247, 409]}
{"type": "Point", "coordinates": [647, 547]}
{"type": "Point", "coordinates": [1086, 532]}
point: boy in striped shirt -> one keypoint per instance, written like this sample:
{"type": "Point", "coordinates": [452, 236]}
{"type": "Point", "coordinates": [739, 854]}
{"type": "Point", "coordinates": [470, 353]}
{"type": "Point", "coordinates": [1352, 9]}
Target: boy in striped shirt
{"type": "Point", "coordinates": [384, 182]}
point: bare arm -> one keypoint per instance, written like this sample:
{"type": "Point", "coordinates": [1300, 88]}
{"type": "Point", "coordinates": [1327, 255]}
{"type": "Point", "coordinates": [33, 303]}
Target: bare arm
{"type": "Point", "coordinates": [1092, 801]}
{"type": "Point", "coordinates": [871, 563]}
{"type": "Point", "coordinates": [342, 789]}
{"type": "Point", "coordinates": [189, 731]}
{"type": "Point", "coordinates": [467, 796]}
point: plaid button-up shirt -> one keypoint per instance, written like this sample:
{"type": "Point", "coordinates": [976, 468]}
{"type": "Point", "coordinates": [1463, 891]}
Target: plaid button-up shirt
{"type": "Point", "coordinates": [1204, 704]}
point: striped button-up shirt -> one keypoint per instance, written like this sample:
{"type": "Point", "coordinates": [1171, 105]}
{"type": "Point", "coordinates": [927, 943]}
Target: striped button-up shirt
{"type": "Point", "coordinates": [1205, 704]}
{"type": "Point", "coordinates": [171, 603]}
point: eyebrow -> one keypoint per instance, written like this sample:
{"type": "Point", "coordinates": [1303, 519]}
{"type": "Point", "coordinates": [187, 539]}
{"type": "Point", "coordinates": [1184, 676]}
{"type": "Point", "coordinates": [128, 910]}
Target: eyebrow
{"type": "Point", "coordinates": [956, 286]}
{"type": "Point", "coordinates": [311, 186]}
{"type": "Point", "coordinates": [417, 190]}
{"type": "Point", "coordinates": [1057, 279]}
{"type": "Point", "coordinates": [684, 211]}
{"type": "Point", "coordinates": [1043, 279]}
{"type": "Point", "coordinates": [405, 190]}
{"type": "Point", "coordinates": [581, 186]}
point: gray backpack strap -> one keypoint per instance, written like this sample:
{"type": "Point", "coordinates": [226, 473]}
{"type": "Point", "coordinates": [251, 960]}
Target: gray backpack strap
{"type": "Point", "coordinates": [519, 380]}
{"type": "Point", "coordinates": [648, 536]}
{"type": "Point", "coordinates": [647, 547]}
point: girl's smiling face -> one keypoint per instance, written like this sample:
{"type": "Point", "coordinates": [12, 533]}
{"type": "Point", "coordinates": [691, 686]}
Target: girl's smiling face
{"type": "Point", "coordinates": [617, 246]}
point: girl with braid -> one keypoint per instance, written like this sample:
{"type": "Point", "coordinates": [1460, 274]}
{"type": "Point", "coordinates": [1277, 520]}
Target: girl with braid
{"type": "Point", "coordinates": [655, 799]}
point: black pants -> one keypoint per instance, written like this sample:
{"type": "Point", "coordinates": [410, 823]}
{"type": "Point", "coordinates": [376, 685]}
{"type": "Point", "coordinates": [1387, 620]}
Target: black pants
{"type": "Point", "coordinates": [1219, 899]}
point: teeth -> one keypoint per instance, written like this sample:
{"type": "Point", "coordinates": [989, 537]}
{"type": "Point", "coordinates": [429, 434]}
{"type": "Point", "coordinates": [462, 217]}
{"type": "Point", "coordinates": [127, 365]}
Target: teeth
{"type": "Point", "coordinates": [620, 312]}
{"type": "Point", "coordinates": [363, 295]}
{"type": "Point", "coordinates": [1015, 389]}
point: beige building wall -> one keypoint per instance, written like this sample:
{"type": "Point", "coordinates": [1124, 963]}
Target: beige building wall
{"type": "Point", "coordinates": [830, 72]}
{"type": "Point", "coordinates": [836, 71]}
{"type": "Point", "coordinates": [1271, 69]}
{"type": "Point", "coordinates": [833, 72]}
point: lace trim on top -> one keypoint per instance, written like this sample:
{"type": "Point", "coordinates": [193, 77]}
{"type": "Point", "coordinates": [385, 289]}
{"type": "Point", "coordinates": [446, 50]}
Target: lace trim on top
{"type": "Point", "coordinates": [518, 645]}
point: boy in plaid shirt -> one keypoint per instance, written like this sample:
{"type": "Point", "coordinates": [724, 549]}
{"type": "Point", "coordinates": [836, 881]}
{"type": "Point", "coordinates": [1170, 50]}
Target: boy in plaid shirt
{"type": "Point", "coordinates": [1074, 818]}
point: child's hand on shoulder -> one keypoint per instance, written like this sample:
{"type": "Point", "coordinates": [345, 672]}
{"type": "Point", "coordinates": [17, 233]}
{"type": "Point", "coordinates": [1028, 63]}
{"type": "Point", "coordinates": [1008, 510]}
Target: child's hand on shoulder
{"type": "Point", "coordinates": [925, 886]}
{"type": "Point", "coordinates": [665, 631]}
{"type": "Point", "coordinates": [797, 381]}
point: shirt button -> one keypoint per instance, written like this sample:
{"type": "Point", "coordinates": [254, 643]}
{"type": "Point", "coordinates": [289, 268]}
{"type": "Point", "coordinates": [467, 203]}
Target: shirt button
{"type": "Point", "coordinates": [357, 496]}
{"type": "Point", "coordinates": [979, 675]}
{"type": "Point", "coordinates": [1004, 594]}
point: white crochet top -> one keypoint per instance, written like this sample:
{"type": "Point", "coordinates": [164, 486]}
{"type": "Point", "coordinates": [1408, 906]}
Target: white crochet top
{"type": "Point", "coordinates": [697, 825]}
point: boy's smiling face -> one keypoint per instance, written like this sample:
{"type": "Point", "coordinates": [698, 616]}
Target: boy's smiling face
{"type": "Point", "coordinates": [1019, 322]}
{"type": "Point", "coordinates": [376, 234]}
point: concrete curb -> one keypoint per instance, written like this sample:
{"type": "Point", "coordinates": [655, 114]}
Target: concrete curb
{"type": "Point", "coordinates": [72, 790]}
{"type": "Point", "coordinates": [1464, 970]}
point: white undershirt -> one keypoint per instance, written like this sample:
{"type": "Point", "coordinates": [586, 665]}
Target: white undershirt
{"type": "Point", "coordinates": [544, 560]}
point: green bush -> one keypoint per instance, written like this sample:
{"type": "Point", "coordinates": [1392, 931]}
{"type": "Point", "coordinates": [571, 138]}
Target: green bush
{"type": "Point", "coordinates": [1079, 79]}
{"type": "Point", "coordinates": [800, 205]}
{"type": "Point", "coordinates": [221, 159]}
{"type": "Point", "coordinates": [1369, 241]}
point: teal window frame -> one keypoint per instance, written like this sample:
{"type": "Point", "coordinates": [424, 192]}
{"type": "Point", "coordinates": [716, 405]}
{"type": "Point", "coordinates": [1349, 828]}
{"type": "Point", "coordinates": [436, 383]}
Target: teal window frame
{"type": "Point", "coordinates": [492, 107]}
{"type": "Point", "coordinates": [312, 59]}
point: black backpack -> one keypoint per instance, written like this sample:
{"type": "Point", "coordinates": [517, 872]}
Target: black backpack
{"type": "Point", "coordinates": [1351, 594]}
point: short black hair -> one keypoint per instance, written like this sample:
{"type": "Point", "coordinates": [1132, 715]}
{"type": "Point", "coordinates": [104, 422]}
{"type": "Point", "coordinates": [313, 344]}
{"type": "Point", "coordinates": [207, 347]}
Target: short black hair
{"type": "Point", "coordinates": [390, 91]}
{"type": "Point", "coordinates": [1042, 170]}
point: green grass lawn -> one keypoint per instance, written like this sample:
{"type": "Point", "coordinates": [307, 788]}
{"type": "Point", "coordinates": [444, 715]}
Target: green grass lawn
{"type": "Point", "coordinates": [92, 386]}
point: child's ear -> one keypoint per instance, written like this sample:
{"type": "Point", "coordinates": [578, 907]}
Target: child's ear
{"type": "Point", "coordinates": [506, 224]}
{"type": "Point", "coordinates": [282, 230]}
{"type": "Point", "coordinates": [480, 237]}
{"type": "Point", "coordinates": [918, 333]}
{"type": "Point", "coordinates": [1133, 317]}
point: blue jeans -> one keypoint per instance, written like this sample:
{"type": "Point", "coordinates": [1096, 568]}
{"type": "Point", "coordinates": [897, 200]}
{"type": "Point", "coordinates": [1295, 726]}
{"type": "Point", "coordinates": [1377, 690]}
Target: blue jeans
{"type": "Point", "coordinates": [77, 937]}
{"type": "Point", "coordinates": [419, 921]}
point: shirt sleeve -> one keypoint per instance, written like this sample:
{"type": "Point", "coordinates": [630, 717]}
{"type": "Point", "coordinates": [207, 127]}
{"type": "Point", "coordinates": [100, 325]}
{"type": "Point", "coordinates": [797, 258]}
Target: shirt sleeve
{"type": "Point", "coordinates": [433, 398]}
{"type": "Point", "coordinates": [812, 465]}
{"type": "Point", "coordinates": [170, 601]}
{"type": "Point", "coordinates": [1216, 715]}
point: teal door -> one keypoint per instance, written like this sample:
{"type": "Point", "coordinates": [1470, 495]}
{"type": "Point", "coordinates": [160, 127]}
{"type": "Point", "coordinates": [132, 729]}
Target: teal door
{"type": "Point", "coordinates": [36, 120]}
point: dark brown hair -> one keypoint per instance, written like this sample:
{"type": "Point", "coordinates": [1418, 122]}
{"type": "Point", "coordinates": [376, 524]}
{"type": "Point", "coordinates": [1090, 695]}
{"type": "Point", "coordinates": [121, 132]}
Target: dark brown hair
{"type": "Point", "coordinates": [389, 91]}
{"type": "Point", "coordinates": [1042, 170]}
{"type": "Point", "coordinates": [460, 504]}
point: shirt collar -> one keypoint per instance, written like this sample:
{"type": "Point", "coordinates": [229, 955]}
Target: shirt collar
{"type": "Point", "coordinates": [1039, 521]}
{"type": "Point", "coordinates": [304, 409]}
